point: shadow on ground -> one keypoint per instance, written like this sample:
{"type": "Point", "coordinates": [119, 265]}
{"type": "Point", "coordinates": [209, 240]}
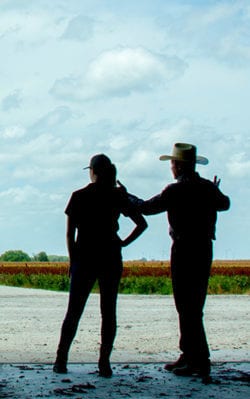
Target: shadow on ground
{"type": "Point", "coordinates": [230, 380]}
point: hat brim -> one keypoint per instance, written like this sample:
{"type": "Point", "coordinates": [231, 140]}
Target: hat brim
{"type": "Point", "coordinates": [199, 159]}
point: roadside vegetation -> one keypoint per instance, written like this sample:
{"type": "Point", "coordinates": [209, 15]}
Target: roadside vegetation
{"type": "Point", "coordinates": [139, 277]}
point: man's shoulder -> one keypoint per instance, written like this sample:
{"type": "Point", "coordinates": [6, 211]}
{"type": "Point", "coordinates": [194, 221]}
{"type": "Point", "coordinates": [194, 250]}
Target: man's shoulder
{"type": "Point", "coordinates": [197, 179]}
{"type": "Point", "coordinates": [187, 183]}
{"type": "Point", "coordinates": [169, 189]}
{"type": "Point", "coordinates": [207, 183]}
{"type": "Point", "coordinates": [171, 186]}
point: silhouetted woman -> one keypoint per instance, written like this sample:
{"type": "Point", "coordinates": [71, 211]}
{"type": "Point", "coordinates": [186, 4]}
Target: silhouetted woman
{"type": "Point", "coordinates": [95, 254]}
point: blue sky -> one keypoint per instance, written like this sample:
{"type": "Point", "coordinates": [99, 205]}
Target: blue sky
{"type": "Point", "coordinates": [127, 78]}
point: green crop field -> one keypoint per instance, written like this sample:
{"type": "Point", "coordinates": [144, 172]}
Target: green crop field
{"type": "Point", "coordinates": [139, 277]}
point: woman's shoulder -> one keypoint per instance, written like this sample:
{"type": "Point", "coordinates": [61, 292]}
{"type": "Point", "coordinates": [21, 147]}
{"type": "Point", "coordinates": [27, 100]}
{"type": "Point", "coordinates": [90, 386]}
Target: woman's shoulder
{"type": "Point", "coordinates": [83, 191]}
{"type": "Point", "coordinates": [119, 193]}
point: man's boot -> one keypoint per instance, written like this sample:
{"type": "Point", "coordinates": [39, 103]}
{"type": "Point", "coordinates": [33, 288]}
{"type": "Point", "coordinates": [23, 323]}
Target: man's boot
{"type": "Point", "coordinates": [181, 362]}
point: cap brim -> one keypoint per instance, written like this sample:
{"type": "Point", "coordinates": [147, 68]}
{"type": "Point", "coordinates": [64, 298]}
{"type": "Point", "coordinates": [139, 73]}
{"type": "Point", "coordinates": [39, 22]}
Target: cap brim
{"type": "Point", "coordinates": [86, 167]}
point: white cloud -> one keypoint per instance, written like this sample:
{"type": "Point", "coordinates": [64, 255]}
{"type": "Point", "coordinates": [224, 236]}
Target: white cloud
{"type": "Point", "coordinates": [219, 30]}
{"type": "Point", "coordinates": [42, 144]}
{"type": "Point", "coordinates": [211, 14]}
{"type": "Point", "coordinates": [69, 88]}
{"type": "Point", "coordinates": [131, 96]}
{"type": "Point", "coordinates": [140, 163]}
{"type": "Point", "coordinates": [28, 204]}
{"type": "Point", "coordinates": [124, 70]}
{"type": "Point", "coordinates": [12, 101]}
{"type": "Point", "coordinates": [163, 139]}
{"type": "Point", "coordinates": [12, 132]}
{"type": "Point", "coordinates": [79, 28]}
{"type": "Point", "coordinates": [119, 142]}
{"type": "Point", "coordinates": [46, 158]}
{"type": "Point", "coordinates": [20, 195]}
{"type": "Point", "coordinates": [239, 165]}
{"type": "Point", "coordinates": [56, 117]}
{"type": "Point", "coordinates": [28, 27]}
{"type": "Point", "coordinates": [120, 72]}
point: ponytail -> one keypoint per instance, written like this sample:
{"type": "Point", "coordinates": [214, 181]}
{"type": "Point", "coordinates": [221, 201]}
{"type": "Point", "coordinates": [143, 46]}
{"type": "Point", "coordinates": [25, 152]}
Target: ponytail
{"type": "Point", "coordinates": [104, 170]}
{"type": "Point", "coordinates": [107, 176]}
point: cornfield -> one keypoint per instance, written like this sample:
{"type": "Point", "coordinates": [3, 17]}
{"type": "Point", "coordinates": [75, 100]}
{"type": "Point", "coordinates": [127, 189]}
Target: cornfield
{"type": "Point", "coordinates": [131, 268]}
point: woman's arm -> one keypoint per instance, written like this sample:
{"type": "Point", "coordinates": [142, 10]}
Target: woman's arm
{"type": "Point", "coordinates": [70, 238]}
{"type": "Point", "coordinates": [141, 225]}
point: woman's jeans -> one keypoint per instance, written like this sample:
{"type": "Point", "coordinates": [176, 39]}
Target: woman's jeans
{"type": "Point", "coordinates": [83, 278]}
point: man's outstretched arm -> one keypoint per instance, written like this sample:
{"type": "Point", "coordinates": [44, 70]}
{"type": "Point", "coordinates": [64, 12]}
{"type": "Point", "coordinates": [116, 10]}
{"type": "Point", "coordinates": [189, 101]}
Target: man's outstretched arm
{"type": "Point", "coordinates": [151, 206]}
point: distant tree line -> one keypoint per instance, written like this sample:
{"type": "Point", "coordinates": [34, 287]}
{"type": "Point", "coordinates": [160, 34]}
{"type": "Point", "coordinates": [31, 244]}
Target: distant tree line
{"type": "Point", "coordinates": [18, 255]}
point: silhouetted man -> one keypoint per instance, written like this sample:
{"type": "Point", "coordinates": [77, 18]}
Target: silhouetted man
{"type": "Point", "coordinates": [191, 204]}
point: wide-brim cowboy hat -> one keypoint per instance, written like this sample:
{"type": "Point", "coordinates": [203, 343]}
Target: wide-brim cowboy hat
{"type": "Point", "coordinates": [186, 153]}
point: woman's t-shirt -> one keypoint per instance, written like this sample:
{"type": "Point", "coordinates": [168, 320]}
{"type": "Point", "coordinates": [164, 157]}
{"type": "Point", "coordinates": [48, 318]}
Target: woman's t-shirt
{"type": "Point", "coordinates": [95, 211]}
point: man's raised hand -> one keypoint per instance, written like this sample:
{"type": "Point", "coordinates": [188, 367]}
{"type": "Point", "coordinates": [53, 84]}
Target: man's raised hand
{"type": "Point", "coordinates": [216, 181]}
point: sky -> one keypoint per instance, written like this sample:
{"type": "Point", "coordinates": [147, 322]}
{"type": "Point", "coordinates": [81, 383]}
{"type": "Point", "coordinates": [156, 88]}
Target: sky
{"type": "Point", "coordinates": [128, 79]}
